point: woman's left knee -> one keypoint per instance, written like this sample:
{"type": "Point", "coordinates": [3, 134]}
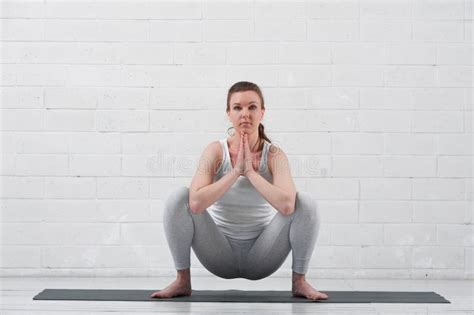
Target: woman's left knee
{"type": "Point", "coordinates": [307, 206]}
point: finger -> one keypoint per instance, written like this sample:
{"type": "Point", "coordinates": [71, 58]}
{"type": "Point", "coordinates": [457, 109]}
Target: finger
{"type": "Point", "coordinates": [241, 143]}
{"type": "Point", "coordinates": [247, 148]}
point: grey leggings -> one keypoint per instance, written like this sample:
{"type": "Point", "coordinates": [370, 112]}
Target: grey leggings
{"type": "Point", "coordinates": [229, 258]}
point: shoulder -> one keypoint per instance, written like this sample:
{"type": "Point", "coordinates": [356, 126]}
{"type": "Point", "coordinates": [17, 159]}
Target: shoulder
{"type": "Point", "coordinates": [275, 155]}
{"type": "Point", "coordinates": [275, 151]}
{"type": "Point", "coordinates": [214, 148]}
{"type": "Point", "coordinates": [213, 153]}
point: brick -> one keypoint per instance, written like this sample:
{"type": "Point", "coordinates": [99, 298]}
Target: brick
{"type": "Point", "coordinates": [412, 54]}
{"type": "Point", "coordinates": [455, 235]}
{"type": "Point", "coordinates": [228, 10]}
{"type": "Point", "coordinates": [356, 234]}
{"type": "Point", "coordinates": [223, 31]}
{"type": "Point", "coordinates": [41, 165]}
{"type": "Point", "coordinates": [70, 187]}
{"type": "Point", "coordinates": [359, 53]}
{"type": "Point", "coordinates": [95, 165]}
{"type": "Point", "coordinates": [409, 234]}
{"type": "Point", "coordinates": [410, 76]}
{"type": "Point", "coordinates": [304, 76]}
{"type": "Point", "coordinates": [357, 166]}
{"type": "Point", "coordinates": [21, 97]}
{"type": "Point", "coordinates": [438, 189]}
{"type": "Point", "coordinates": [438, 121]}
{"type": "Point", "coordinates": [22, 29]}
{"type": "Point", "coordinates": [22, 187]}
{"type": "Point", "coordinates": [439, 31]}
{"type": "Point", "coordinates": [384, 30]}
{"type": "Point", "coordinates": [439, 98]}
{"type": "Point", "coordinates": [410, 144]}
{"type": "Point", "coordinates": [22, 9]}
{"type": "Point", "coordinates": [438, 9]}
{"type": "Point", "coordinates": [122, 188]}
{"type": "Point", "coordinates": [332, 98]}
{"type": "Point", "coordinates": [94, 143]}
{"type": "Point", "coordinates": [455, 166]}
{"type": "Point", "coordinates": [385, 188]}
{"type": "Point", "coordinates": [23, 119]}
{"type": "Point", "coordinates": [438, 257]}
{"type": "Point", "coordinates": [385, 257]}
{"type": "Point", "coordinates": [323, 9]}
{"type": "Point", "coordinates": [70, 120]}
{"type": "Point", "coordinates": [332, 30]}
{"type": "Point", "coordinates": [441, 212]}
{"type": "Point", "coordinates": [454, 144]}
{"type": "Point", "coordinates": [122, 120]}
{"type": "Point", "coordinates": [400, 9]}
{"type": "Point", "coordinates": [301, 53]}
{"type": "Point", "coordinates": [198, 53]}
{"type": "Point", "coordinates": [386, 98]}
{"type": "Point", "coordinates": [361, 143]}
{"type": "Point", "coordinates": [385, 211]}
{"type": "Point", "coordinates": [409, 166]}
{"type": "Point", "coordinates": [20, 257]}
{"type": "Point", "coordinates": [278, 29]}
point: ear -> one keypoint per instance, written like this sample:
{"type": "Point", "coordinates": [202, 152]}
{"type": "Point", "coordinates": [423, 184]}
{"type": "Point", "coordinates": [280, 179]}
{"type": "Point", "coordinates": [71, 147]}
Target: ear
{"type": "Point", "coordinates": [263, 113]}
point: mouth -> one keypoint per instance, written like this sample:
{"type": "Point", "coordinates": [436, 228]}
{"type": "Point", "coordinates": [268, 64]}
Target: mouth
{"type": "Point", "coordinates": [245, 123]}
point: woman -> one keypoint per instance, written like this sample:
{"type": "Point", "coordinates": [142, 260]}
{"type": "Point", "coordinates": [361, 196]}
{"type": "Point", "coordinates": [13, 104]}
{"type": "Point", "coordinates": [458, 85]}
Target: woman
{"type": "Point", "coordinates": [228, 214]}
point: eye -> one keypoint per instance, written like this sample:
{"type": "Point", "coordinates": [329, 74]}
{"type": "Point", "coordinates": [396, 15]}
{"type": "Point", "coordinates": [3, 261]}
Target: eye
{"type": "Point", "coordinates": [253, 107]}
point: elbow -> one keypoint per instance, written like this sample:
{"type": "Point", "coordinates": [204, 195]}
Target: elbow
{"type": "Point", "coordinates": [289, 207]}
{"type": "Point", "coordinates": [194, 207]}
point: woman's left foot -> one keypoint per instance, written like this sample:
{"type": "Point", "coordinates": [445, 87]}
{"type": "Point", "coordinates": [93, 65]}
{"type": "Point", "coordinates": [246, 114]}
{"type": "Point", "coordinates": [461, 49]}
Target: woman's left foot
{"type": "Point", "coordinates": [304, 289]}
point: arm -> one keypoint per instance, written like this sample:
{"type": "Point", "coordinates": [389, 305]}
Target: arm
{"type": "Point", "coordinates": [202, 192]}
{"type": "Point", "coordinates": [207, 195]}
{"type": "Point", "coordinates": [282, 193]}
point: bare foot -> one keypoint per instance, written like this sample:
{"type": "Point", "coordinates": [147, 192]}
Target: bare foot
{"type": "Point", "coordinates": [177, 288]}
{"type": "Point", "coordinates": [304, 289]}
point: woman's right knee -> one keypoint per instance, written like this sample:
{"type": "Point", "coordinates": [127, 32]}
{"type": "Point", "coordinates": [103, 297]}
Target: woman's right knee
{"type": "Point", "coordinates": [177, 200]}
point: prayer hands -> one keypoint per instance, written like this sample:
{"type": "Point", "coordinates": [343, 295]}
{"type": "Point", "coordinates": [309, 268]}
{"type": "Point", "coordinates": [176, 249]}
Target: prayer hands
{"type": "Point", "coordinates": [244, 163]}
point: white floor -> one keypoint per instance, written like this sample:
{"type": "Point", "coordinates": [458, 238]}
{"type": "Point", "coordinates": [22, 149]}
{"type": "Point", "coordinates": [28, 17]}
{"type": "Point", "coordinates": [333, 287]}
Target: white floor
{"type": "Point", "coordinates": [16, 296]}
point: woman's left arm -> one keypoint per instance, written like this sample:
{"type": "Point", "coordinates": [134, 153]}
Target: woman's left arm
{"type": "Point", "coordinates": [282, 193]}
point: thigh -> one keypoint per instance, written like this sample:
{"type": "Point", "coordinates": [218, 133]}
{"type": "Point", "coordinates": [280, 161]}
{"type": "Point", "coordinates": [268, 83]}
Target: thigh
{"type": "Point", "coordinates": [270, 249]}
{"type": "Point", "coordinates": [212, 247]}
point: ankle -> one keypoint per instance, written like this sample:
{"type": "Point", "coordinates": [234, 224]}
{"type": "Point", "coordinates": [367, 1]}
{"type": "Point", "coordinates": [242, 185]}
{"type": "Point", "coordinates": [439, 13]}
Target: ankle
{"type": "Point", "coordinates": [184, 275]}
{"type": "Point", "coordinates": [298, 278]}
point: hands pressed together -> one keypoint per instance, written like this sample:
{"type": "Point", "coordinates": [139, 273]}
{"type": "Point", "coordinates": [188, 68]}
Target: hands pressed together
{"type": "Point", "coordinates": [244, 165]}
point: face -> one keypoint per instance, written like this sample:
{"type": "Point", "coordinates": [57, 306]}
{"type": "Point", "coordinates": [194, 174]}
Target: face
{"type": "Point", "coordinates": [245, 112]}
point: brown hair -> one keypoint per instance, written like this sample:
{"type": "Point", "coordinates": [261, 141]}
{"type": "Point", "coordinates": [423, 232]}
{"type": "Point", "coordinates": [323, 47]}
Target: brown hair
{"type": "Point", "coordinates": [243, 86]}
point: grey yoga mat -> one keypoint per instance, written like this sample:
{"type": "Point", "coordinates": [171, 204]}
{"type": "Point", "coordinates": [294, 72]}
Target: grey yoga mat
{"type": "Point", "coordinates": [237, 296]}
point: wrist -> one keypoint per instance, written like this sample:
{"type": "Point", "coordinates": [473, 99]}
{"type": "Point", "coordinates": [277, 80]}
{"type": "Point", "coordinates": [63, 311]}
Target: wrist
{"type": "Point", "coordinates": [250, 173]}
{"type": "Point", "coordinates": [235, 173]}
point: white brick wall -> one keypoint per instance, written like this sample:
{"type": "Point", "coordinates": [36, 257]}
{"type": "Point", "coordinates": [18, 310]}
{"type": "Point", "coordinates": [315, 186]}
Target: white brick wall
{"type": "Point", "coordinates": [107, 106]}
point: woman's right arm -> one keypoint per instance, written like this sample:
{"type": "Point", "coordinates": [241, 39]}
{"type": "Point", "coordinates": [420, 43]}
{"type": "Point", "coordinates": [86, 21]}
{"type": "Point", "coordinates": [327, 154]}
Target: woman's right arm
{"type": "Point", "coordinates": [203, 192]}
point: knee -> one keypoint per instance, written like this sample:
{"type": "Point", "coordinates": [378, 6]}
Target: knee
{"type": "Point", "coordinates": [307, 206]}
{"type": "Point", "coordinates": [177, 200]}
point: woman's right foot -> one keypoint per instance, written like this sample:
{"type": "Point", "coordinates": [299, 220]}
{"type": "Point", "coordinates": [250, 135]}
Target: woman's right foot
{"type": "Point", "coordinates": [177, 288]}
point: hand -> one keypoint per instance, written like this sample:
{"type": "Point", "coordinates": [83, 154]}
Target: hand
{"type": "Point", "coordinates": [239, 167]}
{"type": "Point", "coordinates": [247, 156]}
{"type": "Point", "coordinates": [244, 163]}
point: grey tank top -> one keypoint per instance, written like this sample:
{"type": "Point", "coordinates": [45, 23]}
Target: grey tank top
{"type": "Point", "coordinates": [242, 213]}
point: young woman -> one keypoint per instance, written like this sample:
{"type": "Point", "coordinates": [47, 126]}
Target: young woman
{"type": "Point", "coordinates": [242, 214]}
